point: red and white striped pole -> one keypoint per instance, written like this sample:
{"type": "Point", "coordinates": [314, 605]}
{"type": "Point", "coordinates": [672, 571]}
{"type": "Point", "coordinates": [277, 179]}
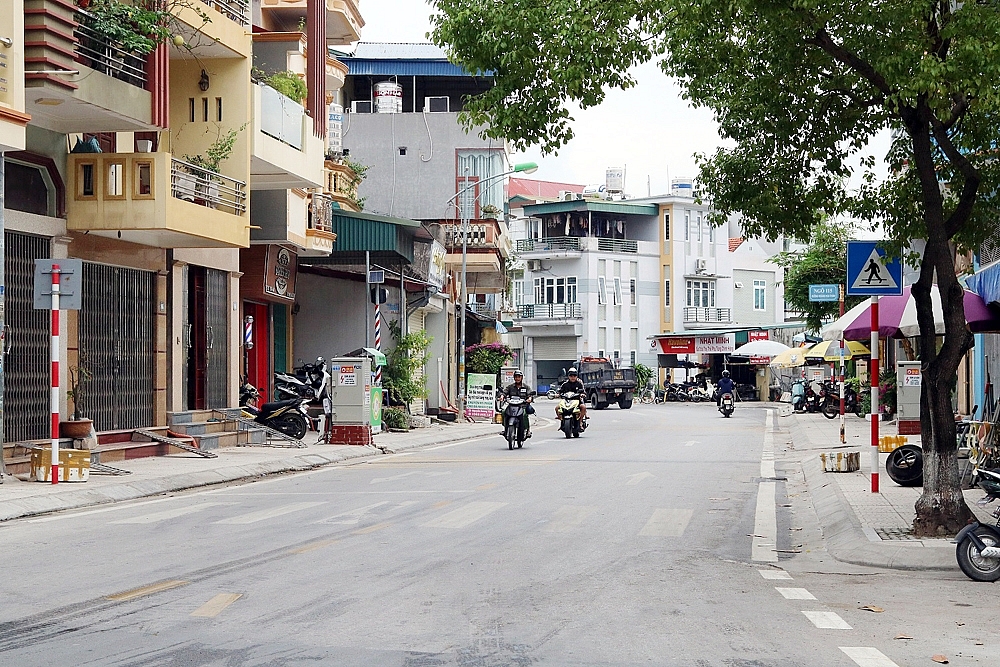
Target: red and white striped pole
{"type": "Point", "coordinates": [875, 387]}
{"type": "Point", "coordinates": [378, 341]}
{"type": "Point", "coordinates": [54, 396]}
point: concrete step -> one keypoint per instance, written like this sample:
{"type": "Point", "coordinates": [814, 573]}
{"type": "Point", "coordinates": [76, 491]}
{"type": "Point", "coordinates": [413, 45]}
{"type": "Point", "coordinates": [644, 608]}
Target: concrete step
{"type": "Point", "coordinates": [205, 427]}
{"type": "Point", "coordinates": [209, 441]}
{"type": "Point", "coordinates": [189, 417]}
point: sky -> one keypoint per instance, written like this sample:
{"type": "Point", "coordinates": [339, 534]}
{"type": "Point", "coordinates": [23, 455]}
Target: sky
{"type": "Point", "coordinates": [648, 130]}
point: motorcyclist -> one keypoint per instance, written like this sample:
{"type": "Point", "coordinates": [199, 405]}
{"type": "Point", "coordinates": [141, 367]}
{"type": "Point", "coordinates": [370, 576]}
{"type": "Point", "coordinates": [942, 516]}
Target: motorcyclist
{"type": "Point", "coordinates": [725, 386]}
{"type": "Point", "coordinates": [573, 384]}
{"type": "Point", "coordinates": [518, 388]}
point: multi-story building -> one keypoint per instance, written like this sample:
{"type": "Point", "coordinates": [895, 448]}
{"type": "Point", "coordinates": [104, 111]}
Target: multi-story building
{"type": "Point", "coordinates": [590, 284]}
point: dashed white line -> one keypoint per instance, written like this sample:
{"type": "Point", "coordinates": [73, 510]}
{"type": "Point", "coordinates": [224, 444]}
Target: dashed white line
{"type": "Point", "coordinates": [867, 657]}
{"type": "Point", "coordinates": [463, 516]}
{"type": "Point", "coordinates": [765, 526]}
{"type": "Point", "coordinates": [827, 620]}
{"type": "Point", "coordinates": [567, 518]}
{"type": "Point", "coordinates": [270, 513]}
{"type": "Point", "coordinates": [667, 523]}
{"type": "Point", "coordinates": [795, 594]}
{"type": "Point", "coordinates": [774, 574]}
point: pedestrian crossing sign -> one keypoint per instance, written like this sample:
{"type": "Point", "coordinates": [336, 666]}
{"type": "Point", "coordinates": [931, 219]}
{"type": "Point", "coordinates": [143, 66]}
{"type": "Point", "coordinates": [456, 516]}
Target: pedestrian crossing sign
{"type": "Point", "coordinates": [870, 272]}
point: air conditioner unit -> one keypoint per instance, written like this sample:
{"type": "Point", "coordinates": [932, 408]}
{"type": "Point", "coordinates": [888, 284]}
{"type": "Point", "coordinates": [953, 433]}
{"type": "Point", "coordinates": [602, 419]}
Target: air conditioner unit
{"type": "Point", "coordinates": [534, 265]}
{"type": "Point", "coordinates": [437, 104]}
{"type": "Point", "coordinates": [566, 195]}
{"type": "Point", "coordinates": [738, 285]}
{"type": "Point", "coordinates": [361, 106]}
{"type": "Point", "coordinates": [701, 265]}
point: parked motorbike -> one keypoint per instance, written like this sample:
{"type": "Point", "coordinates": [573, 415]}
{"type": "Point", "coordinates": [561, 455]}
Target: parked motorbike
{"type": "Point", "coordinates": [699, 394]}
{"type": "Point", "coordinates": [727, 405]}
{"type": "Point", "coordinates": [799, 396]}
{"type": "Point", "coordinates": [831, 409]}
{"type": "Point", "coordinates": [568, 410]}
{"type": "Point", "coordinates": [288, 387]}
{"type": "Point", "coordinates": [513, 419]}
{"type": "Point", "coordinates": [288, 417]}
{"type": "Point", "coordinates": [978, 550]}
{"type": "Point", "coordinates": [812, 399]}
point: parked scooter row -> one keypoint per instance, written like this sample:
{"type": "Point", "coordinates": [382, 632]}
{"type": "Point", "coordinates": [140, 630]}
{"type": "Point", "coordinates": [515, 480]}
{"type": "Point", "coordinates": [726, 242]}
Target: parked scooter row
{"type": "Point", "coordinates": [289, 417]}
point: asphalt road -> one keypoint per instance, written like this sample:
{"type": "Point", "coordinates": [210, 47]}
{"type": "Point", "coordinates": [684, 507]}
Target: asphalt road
{"type": "Point", "coordinates": [632, 545]}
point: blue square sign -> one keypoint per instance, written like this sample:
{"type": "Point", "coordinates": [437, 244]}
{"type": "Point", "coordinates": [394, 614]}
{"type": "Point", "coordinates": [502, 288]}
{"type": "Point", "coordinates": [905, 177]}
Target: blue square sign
{"type": "Point", "coordinates": [824, 292]}
{"type": "Point", "coordinates": [870, 272]}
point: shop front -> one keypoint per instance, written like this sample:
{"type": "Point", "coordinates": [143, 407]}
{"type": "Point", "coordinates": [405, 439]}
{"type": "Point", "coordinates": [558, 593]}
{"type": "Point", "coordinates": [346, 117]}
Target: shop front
{"type": "Point", "coordinates": [267, 291]}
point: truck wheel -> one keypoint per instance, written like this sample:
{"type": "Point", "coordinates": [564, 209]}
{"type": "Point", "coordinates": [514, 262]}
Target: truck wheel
{"type": "Point", "coordinates": [593, 401]}
{"type": "Point", "coordinates": [625, 403]}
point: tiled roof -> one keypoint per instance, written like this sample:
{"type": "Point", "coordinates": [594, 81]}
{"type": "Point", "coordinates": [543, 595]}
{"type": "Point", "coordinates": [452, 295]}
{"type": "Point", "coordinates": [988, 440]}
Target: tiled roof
{"type": "Point", "coordinates": [735, 243]}
{"type": "Point", "coordinates": [532, 189]}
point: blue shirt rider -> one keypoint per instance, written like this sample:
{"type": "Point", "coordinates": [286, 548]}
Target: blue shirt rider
{"type": "Point", "coordinates": [725, 386]}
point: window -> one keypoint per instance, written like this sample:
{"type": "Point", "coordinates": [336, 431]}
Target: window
{"type": "Point", "coordinates": [759, 292]}
{"type": "Point", "coordinates": [218, 109]}
{"type": "Point", "coordinates": [618, 291]}
{"type": "Point", "coordinates": [555, 290]}
{"type": "Point", "coordinates": [191, 109]}
{"type": "Point", "coordinates": [114, 183]}
{"type": "Point", "coordinates": [602, 339]}
{"type": "Point", "coordinates": [700, 228]}
{"type": "Point", "coordinates": [687, 226]}
{"type": "Point", "coordinates": [666, 293]}
{"type": "Point", "coordinates": [143, 179]}
{"type": "Point", "coordinates": [602, 297]}
{"type": "Point", "coordinates": [711, 233]}
{"type": "Point", "coordinates": [518, 292]}
{"type": "Point", "coordinates": [86, 187]}
{"type": "Point", "coordinates": [539, 299]}
{"type": "Point", "coordinates": [701, 293]}
{"type": "Point", "coordinates": [631, 358]}
{"type": "Point", "coordinates": [204, 109]}
{"type": "Point", "coordinates": [666, 226]}
{"type": "Point", "coordinates": [631, 290]}
{"type": "Point", "coordinates": [600, 353]}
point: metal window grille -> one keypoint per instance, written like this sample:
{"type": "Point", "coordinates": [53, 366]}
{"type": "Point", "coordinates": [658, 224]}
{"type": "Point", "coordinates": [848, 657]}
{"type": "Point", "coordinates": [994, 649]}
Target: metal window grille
{"type": "Point", "coordinates": [217, 320]}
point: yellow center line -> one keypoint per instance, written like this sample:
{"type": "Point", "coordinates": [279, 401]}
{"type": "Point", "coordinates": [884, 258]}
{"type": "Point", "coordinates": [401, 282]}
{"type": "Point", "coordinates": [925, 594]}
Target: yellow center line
{"type": "Point", "coordinates": [486, 487]}
{"type": "Point", "coordinates": [371, 529]}
{"type": "Point", "coordinates": [441, 503]}
{"type": "Point", "coordinates": [313, 547]}
{"type": "Point", "coordinates": [145, 590]}
{"type": "Point", "coordinates": [214, 607]}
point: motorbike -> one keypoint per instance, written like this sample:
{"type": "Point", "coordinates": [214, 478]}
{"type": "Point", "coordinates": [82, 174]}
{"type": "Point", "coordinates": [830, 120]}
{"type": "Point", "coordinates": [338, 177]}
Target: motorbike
{"type": "Point", "coordinates": [727, 405]}
{"type": "Point", "coordinates": [851, 403]}
{"type": "Point", "coordinates": [799, 396]}
{"type": "Point", "coordinates": [812, 399]}
{"type": "Point", "coordinates": [569, 414]}
{"type": "Point", "coordinates": [513, 419]}
{"type": "Point", "coordinates": [978, 550]}
{"type": "Point", "coordinates": [551, 394]}
{"type": "Point", "coordinates": [698, 394]}
{"type": "Point", "coordinates": [288, 387]}
{"type": "Point", "coordinates": [288, 417]}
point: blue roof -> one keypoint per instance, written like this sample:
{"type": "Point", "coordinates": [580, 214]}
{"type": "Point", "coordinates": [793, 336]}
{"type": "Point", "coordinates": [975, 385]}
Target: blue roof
{"type": "Point", "coordinates": [388, 59]}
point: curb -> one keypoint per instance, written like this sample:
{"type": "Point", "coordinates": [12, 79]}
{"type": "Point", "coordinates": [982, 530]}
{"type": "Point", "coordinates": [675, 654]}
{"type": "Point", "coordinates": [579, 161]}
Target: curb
{"type": "Point", "coordinates": [77, 499]}
{"type": "Point", "coordinates": [844, 536]}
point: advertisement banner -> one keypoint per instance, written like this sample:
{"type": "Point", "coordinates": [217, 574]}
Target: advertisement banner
{"type": "Point", "coordinates": [721, 344]}
{"type": "Point", "coordinates": [376, 408]}
{"type": "Point", "coordinates": [677, 345]}
{"type": "Point", "coordinates": [757, 335]}
{"type": "Point", "coordinates": [480, 399]}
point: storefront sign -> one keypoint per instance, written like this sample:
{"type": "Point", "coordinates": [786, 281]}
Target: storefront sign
{"type": "Point", "coordinates": [480, 400]}
{"type": "Point", "coordinates": [912, 377]}
{"type": "Point", "coordinates": [757, 335]}
{"type": "Point", "coordinates": [436, 273]}
{"type": "Point", "coordinates": [279, 273]}
{"type": "Point", "coordinates": [760, 361]}
{"type": "Point", "coordinates": [721, 344]}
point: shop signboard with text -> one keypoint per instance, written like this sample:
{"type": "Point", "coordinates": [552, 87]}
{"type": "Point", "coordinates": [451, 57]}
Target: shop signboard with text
{"type": "Point", "coordinates": [720, 344]}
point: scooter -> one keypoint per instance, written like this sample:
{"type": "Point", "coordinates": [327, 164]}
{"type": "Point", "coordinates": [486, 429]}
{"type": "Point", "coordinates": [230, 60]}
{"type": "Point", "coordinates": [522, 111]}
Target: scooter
{"type": "Point", "coordinates": [799, 396]}
{"type": "Point", "coordinates": [569, 414]}
{"type": "Point", "coordinates": [513, 419]}
{"type": "Point", "coordinates": [811, 400]}
{"type": "Point", "coordinates": [978, 550]}
{"type": "Point", "coordinates": [851, 403]}
{"type": "Point", "coordinates": [288, 387]}
{"type": "Point", "coordinates": [288, 417]}
{"type": "Point", "coordinates": [727, 405]}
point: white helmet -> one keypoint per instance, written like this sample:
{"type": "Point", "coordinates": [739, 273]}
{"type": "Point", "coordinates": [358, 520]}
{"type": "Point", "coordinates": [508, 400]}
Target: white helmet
{"type": "Point", "coordinates": [571, 371]}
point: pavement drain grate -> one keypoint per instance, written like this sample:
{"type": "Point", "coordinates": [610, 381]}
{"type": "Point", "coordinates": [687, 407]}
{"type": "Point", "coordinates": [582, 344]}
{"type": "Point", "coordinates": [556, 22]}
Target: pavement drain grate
{"type": "Point", "coordinates": [896, 533]}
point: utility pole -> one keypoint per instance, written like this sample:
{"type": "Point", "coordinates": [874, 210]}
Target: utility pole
{"type": "Point", "coordinates": [465, 299]}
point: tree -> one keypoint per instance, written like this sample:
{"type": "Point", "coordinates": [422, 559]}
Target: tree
{"type": "Point", "coordinates": [402, 374]}
{"type": "Point", "coordinates": [823, 262]}
{"type": "Point", "coordinates": [798, 90]}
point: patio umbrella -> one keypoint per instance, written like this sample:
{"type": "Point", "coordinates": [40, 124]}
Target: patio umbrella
{"type": "Point", "coordinates": [793, 357]}
{"type": "Point", "coordinates": [898, 317]}
{"type": "Point", "coordinates": [835, 330]}
{"type": "Point", "coordinates": [828, 350]}
{"type": "Point", "coordinates": [761, 348]}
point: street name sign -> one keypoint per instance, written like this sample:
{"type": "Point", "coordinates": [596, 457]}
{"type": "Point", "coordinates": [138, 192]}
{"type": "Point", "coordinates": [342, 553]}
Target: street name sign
{"type": "Point", "coordinates": [824, 292]}
{"type": "Point", "coordinates": [870, 272]}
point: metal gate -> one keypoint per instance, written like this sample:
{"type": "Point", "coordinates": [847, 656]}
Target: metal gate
{"type": "Point", "coordinates": [555, 348]}
{"type": "Point", "coordinates": [117, 334]}
{"type": "Point", "coordinates": [217, 322]}
{"type": "Point", "coordinates": [26, 343]}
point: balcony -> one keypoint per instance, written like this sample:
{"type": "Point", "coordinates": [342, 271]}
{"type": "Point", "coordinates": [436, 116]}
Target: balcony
{"type": "Point", "coordinates": [234, 10]}
{"type": "Point", "coordinates": [481, 235]}
{"type": "Point", "coordinates": [550, 311]}
{"type": "Point", "coordinates": [286, 154]}
{"type": "Point", "coordinates": [483, 310]}
{"type": "Point", "coordinates": [553, 247]}
{"type": "Point", "coordinates": [617, 245]}
{"type": "Point", "coordinates": [155, 199]}
{"type": "Point", "coordinates": [226, 33]}
{"type": "Point", "coordinates": [319, 231]}
{"type": "Point", "coordinates": [340, 182]}
{"type": "Point", "coordinates": [707, 315]}
{"type": "Point", "coordinates": [343, 19]}
{"type": "Point", "coordinates": [109, 92]}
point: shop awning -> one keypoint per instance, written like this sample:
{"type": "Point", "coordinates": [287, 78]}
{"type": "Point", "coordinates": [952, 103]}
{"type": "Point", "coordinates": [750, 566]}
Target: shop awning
{"type": "Point", "coordinates": [376, 355]}
{"type": "Point", "coordinates": [986, 283]}
{"type": "Point", "coordinates": [386, 239]}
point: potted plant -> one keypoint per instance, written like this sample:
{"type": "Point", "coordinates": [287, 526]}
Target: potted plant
{"type": "Point", "coordinates": [78, 427]}
{"type": "Point", "coordinates": [490, 212]}
{"type": "Point", "coordinates": [210, 162]}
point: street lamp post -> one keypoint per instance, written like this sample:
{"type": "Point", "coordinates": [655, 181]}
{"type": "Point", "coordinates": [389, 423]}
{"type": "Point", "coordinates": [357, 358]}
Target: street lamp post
{"type": "Point", "coordinates": [524, 167]}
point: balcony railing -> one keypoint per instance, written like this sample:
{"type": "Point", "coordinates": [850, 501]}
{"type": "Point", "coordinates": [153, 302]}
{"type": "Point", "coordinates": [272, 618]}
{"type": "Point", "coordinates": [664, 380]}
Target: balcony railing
{"type": "Point", "coordinates": [97, 52]}
{"type": "Point", "coordinates": [480, 236]}
{"type": "Point", "coordinates": [321, 213]}
{"type": "Point", "coordinates": [550, 311]}
{"type": "Point", "coordinates": [483, 310]}
{"type": "Point", "coordinates": [207, 188]}
{"type": "Point", "coordinates": [617, 245]}
{"type": "Point", "coordinates": [553, 243]}
{"type": "Point", "coordinates": [718, 315]}
{"type": "Point", "coordinates": [237, 10]}
{"type": "Point", "coordinates": [281, 117]}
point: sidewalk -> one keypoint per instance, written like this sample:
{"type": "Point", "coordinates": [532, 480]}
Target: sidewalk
{"type": "Point", "coordinates": [164, 474]}
{"type": "Point", "coordinates": [859, 526]}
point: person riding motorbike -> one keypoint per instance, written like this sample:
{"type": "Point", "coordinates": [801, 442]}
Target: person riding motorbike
{"type": "Point", "coordinates": [518, 388]}
{"type": "Point", "coordinates": [725, 386]}
{"type": "Point", "coordinates": [573, 384]}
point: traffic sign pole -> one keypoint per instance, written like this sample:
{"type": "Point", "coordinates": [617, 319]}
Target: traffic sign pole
{"type": "Point", "coordinates": [54, 391]}
{"type": "Point", "coordinates": [874, 400]}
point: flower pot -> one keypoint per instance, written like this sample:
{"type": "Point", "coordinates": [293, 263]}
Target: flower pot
{"type": "Point", "coordinates": [144, 145]}
{"type": "Point", "coordinates": [76, 429]}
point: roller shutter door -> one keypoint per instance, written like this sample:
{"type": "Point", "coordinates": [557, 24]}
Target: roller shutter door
{"type": "Point", "coordinates": [556, 348]}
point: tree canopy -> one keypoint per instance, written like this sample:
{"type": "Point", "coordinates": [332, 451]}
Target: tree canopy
{"type": "Point", "coordinates": [798, 90]}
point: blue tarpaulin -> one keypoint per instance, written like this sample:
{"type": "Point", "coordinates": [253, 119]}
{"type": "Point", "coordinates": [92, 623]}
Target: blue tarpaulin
{"type": "Point", "coordinates": [986, 284]}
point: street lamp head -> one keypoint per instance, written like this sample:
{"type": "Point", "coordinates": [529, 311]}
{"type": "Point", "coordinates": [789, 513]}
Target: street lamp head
{"type": "Point", "coordinates": [526, 168]}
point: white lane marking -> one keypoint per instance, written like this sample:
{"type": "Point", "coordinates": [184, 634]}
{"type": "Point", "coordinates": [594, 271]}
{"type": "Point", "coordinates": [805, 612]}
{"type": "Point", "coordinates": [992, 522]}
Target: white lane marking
{"type": "Point", "coordinates": [460, 442]}
{"type": "Point", "coordinates": [827, 620]}
{"type": "Point", "coordinates": [463, 516]}
{"type": "Point", "coordinates": [638, 477]}
{"type": "Point", "coordinates": [567, 517]}
{"type": "Point", "coordinates": [667, 523]}
{"type": "Point", "coordinates": [168, 514]}
{"type": "Point", "coordinates": [214, 607]}
{"type": "Point", "coordinates": [765, 526]}
{"type": "Point", "coordinates": [60, 517]}
{"type": "Point", "coordinates": [690, 443]}
{"type": "Point", "coordinates": [767, 453]}
{"type": "Point", "coordinates": [865, 656]}
{"type": "Point", "coordinates": [269, 513]}
{"type": "Point", "coordinates": [795, 593]}
{"type": "Point", "coordinates": [774, 574]}
{"type": "Point", "coordinates": [439, 473]}
{"type": "Point", "coordinates": [352, 517]}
